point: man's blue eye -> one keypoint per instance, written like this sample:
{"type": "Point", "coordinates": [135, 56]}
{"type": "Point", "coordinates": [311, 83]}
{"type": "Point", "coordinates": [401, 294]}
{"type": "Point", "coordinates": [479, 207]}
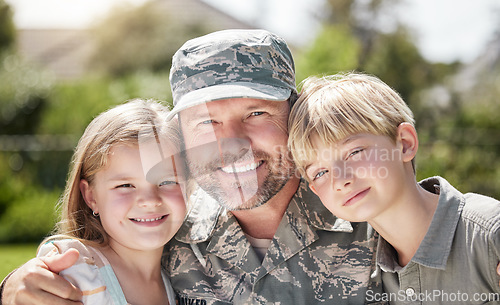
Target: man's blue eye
{"type": "Point", "coordinates": [257, 113]}
{"type": "Point", "coordinates": [167, 182]}
{"type": "Point", "coordinates": [207, 122]}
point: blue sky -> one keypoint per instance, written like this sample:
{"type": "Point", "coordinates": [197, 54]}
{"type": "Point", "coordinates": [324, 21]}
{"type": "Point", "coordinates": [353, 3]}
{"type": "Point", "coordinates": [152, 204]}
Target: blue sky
{"type": "Point", "coordinates": [445, 30]}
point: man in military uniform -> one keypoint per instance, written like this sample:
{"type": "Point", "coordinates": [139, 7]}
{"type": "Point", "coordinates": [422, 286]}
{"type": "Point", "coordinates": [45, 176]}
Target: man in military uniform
{"type": "Point", "coordinates": [255, 233]}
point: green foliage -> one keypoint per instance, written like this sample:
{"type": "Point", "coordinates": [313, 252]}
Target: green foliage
{"type": "Point", "coordinates": [72, 105]}
{"type": "Point", "coordinates": [459, 135]}
{"type": "Point", "coordinates": [476, 131]}
{"type": "Point", "coordinates": [14, 255]}
{"type": "Point", "coordinates": [32, 180]}
{"type": "Point", "coordinates": [26, 209]}
{"type": "Point", "coordinates": [464, 143]}
{"type": "Point", "coordinates": [395, 59]}
{"type": "Point", "coordinates": [29, 217]}
{"type": "Point", "coordinates": [23, 91]}
{"type": "Point", "coordinates": [335, 49]}
{"type": "Point", "coordinates": [7, 28]}
{"type": "Point", "coordinates": [10, 185]}
{"type": "Point", "coordinates": [144, 38]}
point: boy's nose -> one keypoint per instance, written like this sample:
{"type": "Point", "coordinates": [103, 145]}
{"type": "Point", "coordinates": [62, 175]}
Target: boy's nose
{"type": "Point", "coordinates": [341, 178]}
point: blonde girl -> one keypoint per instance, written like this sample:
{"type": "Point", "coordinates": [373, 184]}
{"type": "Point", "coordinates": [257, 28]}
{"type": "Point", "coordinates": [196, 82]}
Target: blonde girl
{"type": "Point", "coordinates": [123, 202]}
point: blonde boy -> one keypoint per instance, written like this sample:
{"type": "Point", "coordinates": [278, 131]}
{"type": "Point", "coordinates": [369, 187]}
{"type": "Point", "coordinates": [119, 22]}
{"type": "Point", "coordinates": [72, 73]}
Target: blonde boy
{"type": "Point", "coordinates": [353, 138]}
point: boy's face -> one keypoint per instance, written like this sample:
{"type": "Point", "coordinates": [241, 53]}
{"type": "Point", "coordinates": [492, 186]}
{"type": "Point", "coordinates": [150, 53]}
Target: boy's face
{"type": "Point", "coordinates": [359, 177]}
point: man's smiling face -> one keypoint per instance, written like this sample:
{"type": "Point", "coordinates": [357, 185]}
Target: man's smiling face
{"type": "Point", "coordinates": [237, 151]}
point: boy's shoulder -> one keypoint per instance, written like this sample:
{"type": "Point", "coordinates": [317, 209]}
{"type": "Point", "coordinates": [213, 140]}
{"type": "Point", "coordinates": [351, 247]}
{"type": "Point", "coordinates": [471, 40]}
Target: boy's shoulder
{"type": "Point", "coordinates": [482, 210]}
{"type": "Point", "coordinates": [473, 208]}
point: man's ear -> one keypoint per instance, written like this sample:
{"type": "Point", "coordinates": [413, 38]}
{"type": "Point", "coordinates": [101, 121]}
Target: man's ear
{"type": "Point", "coordinates": [88, 195]}
{"type": "Point", "coordinates": [407, 136]}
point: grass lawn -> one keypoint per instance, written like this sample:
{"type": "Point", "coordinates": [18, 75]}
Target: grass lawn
{"type": "Point", "coordinates": [14, 255]}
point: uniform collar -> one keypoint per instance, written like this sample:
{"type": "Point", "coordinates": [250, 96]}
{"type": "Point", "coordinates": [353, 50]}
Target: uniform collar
{"type": "Point", "coordinates": [206, 216]}
{"type": "Point", "coordinates": [201, 218]}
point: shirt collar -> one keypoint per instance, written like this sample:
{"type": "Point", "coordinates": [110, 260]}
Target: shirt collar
{"type": "Point", "coordinates": [435, 248]}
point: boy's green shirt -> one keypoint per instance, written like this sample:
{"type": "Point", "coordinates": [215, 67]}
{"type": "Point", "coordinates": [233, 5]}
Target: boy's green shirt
{"type": "Point", "coordinates": [457, 260]}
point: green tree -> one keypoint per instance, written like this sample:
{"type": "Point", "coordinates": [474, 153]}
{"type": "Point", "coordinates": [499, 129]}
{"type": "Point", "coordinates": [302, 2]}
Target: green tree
{"type": "Point", "coordinates": [144, 38]}
{"type": "Point", "coordinates": [458, 133]}
{"type": "Point", "coordinates": [475, 131]}
{"type": "Point", "coordinates": [334, 50]}
{"type": "Point", "coordinates": [23, 92]}
{"type": "Point", "coordinates": [352, 38]}
{"type": "Point", "coordinates": [7, 28]}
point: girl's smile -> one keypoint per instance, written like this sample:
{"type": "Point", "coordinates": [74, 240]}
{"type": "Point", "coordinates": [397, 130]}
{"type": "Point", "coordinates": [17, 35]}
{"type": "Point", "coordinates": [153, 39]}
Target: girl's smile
{"type": "Point", "coordinates": [135, 212]}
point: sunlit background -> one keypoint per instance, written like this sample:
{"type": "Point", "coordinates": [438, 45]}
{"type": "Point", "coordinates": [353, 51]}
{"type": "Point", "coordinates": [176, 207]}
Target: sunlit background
{"type": "Point", "coordinates": [444, 30]}
{"type": "Point", "coordinates": [64, 61]}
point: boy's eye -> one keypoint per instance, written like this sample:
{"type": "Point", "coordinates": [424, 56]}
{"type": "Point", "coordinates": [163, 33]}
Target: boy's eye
{"type": "Point", "coordinates": [355, 152]}
{"type": "Point", "coordinates": [319, 174]}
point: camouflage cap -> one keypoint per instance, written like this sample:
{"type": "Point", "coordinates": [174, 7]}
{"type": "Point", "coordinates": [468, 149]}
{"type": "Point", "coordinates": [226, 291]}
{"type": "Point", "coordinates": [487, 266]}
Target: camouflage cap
{"type": "Point", "coordinates": [231, 64]}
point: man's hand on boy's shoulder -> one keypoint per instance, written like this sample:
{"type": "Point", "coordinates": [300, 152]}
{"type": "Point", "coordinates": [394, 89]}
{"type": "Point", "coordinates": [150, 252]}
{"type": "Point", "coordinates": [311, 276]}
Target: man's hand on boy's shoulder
{"type": "Point", "coordinates": [37, 282]}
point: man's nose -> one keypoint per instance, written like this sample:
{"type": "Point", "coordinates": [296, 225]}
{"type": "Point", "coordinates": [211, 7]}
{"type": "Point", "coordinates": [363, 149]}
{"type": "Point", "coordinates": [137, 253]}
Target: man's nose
{"type": "Point", "coordinates": [233, 139]}
{"type": "Point", "coordinates": [232, 128]}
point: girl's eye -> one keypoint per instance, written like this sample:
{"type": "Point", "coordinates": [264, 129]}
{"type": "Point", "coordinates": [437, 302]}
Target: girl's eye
{"type": "Point", "coordinates": [125, 185]}
{"type": "Point", "coordinates": [320, 174]}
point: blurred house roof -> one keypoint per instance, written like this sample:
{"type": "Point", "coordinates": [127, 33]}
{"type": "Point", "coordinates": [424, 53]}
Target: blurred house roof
{"type": "Point", "coordinates": [190, 11]}
{"type": "Point", "coordinates": [66, 52]}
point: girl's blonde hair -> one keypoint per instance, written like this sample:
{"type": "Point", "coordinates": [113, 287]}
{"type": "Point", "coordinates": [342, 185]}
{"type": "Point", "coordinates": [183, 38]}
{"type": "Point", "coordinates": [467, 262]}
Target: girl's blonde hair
{"type": "Point", "coordinates": [337, 106]}
{"type": "Point", "coordinates": [121, 124]}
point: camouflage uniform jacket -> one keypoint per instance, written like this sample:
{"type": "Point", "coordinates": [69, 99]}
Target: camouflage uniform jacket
{"type": "Point", "coordinates": [314, 258]}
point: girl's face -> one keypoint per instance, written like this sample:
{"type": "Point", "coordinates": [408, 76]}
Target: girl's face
{"type": "Point", "coordinates": [136, 213]}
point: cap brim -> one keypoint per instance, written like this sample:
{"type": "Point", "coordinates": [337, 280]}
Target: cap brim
{"type": "Point", "coordinates": [228, 91]}
{"type": "Point", "coordinates": [171, 167]}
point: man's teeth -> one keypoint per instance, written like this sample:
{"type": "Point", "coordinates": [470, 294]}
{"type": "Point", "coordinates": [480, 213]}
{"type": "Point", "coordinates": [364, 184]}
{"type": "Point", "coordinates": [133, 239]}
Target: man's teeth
{"type": "Point", "coordinates": [148, 220]}
{"type": "Point", "coordinates": [241, 169]}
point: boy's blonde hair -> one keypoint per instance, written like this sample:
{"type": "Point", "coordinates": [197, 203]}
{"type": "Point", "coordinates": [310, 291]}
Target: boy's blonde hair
{"type": "Point", "coordinates": [337, 106]}
{"type": "Point", "coordinates": [119, 125]}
